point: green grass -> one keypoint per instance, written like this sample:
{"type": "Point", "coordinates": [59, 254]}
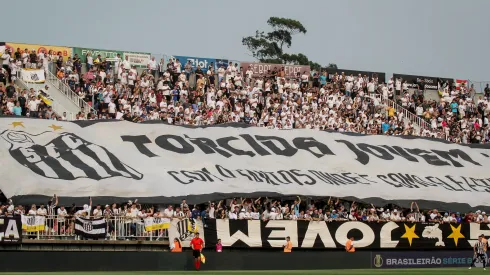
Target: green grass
{"type": "Point", "coordinates": [431, 271]}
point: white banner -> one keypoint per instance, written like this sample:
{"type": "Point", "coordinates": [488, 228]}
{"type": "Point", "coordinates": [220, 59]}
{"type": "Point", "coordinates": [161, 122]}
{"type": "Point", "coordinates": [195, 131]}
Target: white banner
{"type": "Point", "coordinates": [138, 59]}
{"type": "Point", "coordinates": [165, 163]}
{"type": "Point", "coordinates": [32, 75]}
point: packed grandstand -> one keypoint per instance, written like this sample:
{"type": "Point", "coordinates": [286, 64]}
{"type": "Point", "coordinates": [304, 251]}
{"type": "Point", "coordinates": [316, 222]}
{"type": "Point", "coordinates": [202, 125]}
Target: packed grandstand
{"type": "Point", "coordinates": [180, 94]}
{"type": "Point", "coordinates": [183, 94]}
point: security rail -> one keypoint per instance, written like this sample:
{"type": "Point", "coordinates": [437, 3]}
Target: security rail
{"type": "Point", "coordinates": [117, 228]}
{"type": "Point", "coordinates": [69, 93]}
{"type": "Point", "coordinates": [58, 108]}
{"type": "Point", "coordinates": [421, 123]}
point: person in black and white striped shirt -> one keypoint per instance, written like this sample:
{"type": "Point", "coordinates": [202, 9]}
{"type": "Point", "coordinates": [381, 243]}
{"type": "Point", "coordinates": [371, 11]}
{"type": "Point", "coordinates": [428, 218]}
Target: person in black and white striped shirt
{"type": "Point", "coordinates": [480, 250]}
{"type": "Point", "coordinates": [52, 204]}
{"type": "Point", "coordinates": [51, 214]}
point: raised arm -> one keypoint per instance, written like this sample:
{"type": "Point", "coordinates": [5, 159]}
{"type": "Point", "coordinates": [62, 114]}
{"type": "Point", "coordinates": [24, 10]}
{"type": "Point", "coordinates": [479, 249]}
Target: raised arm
{"type": "Point", "coordinates": [352, 206]}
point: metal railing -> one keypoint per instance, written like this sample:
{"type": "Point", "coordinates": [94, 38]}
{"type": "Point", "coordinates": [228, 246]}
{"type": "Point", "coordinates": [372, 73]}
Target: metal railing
{"type": "Point", "coordinates": [58, 108]}
{"type": "Point", "coordinates": [421, 123]}
{"type": "Point", "coordinates": [117, 228]}
{"type": "Point", "coordinates": [69, 93]}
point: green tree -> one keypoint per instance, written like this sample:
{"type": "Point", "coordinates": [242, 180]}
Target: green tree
{"type": "Point", "coordinates": [269, 47]}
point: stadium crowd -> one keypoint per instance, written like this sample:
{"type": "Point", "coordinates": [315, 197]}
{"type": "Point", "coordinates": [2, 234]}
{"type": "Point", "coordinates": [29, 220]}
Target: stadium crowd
{"type": "Point", "coordinates": [338, 102]}
{"type": "Point", "coordinates": [330, 209]}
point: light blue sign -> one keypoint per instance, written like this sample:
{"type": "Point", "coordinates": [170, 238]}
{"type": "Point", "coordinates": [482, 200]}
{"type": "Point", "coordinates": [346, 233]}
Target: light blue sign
{"type": "Point", "coordinates": [204, 63]}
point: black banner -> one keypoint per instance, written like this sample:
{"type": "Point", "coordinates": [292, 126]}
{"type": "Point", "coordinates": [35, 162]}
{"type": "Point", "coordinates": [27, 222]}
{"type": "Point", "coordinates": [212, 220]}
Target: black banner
{"type": "Point", "coordinates": [331, 71]}
{"type": "Point", "coordinates": [10, 230]}
{"type": "Point", "coordinates": [423, 82]}
{"type": "Point", "coordinates": [334, 235]}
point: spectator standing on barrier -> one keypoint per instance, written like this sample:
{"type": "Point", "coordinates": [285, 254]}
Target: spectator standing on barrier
{"type": "Point", "coordinates": [52, 204]}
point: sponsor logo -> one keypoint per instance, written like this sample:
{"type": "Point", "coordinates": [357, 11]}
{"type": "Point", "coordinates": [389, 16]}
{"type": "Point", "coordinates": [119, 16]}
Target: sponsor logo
{"type": "Point", "coordinates": [34, 77]}
{"type": "Point", "coordinates": [87, 226]}
{"type": "Point", "coordinates": [378, 261]}
{"type": "Point", "coordinates": [66, 157]}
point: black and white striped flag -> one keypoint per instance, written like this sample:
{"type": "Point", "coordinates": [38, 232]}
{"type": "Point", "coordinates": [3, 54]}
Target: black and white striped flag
{"type": "Point", "coordinates": [91, 229]}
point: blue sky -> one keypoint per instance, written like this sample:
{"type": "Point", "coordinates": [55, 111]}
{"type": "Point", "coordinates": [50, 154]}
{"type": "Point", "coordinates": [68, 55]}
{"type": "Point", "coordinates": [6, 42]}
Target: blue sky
{"type": "Point", "coordinates": [445, 38]}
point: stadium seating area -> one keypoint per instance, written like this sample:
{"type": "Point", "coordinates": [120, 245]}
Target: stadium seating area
{"type": "Point", "coordinates": [321, 101]}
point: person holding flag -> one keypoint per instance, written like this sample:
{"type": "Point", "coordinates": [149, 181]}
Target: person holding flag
{"type": "Point", "coordinates": [197, 244]}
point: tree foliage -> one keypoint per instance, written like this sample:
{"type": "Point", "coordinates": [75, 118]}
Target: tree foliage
{"type": "Point", "coordinates": [269, 47]}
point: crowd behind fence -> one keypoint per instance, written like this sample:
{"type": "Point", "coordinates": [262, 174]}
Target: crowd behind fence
{"type": "Point", "coordinates": [132, 222]}
{"type": "Point", "coordinates": [117, 228]}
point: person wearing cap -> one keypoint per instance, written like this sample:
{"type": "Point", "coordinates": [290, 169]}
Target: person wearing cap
{"type": "Point", "coordinates": [447, 218]}
{"type": "Point", "coordinates": [458, 217]}
{"type": "Point", "coordinates": [85, 211]}
{"type": "Point", "coordinates": [242, 214]}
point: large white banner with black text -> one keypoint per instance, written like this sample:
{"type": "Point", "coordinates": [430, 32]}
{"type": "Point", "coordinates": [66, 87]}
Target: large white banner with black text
{"type": "Point", "coordinates": [158, 162]}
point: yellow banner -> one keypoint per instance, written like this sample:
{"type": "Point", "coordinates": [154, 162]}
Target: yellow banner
{"type": "Point", "coordinates": [33, 223]}
{"type": "Point", "coordinates": [65, 51]}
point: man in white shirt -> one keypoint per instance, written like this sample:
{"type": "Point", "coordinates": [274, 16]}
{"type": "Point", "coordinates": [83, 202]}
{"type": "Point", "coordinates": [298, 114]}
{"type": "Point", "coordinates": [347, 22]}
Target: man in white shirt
{"type": "Point", "coordinates": [126, 64]}
{"type": "Point", "coordinates": [242, 214]}
{"type": "Point", "coordinates": [152, 66]}
{"type": "Point", "coordinates": [97, 212]}
{"type": "Point", "coordinates": [233, 215]}
{"type": "Point", "coordinates": [42, 211]}
{"type": "Point", "coordinates": [395, 216]}
{"type": "Point", "coordinates": [168, 212]}
{"type": "Point", "coordinates": [221, 73]}
{"type": "Point", "coordinates": [386, 215]}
